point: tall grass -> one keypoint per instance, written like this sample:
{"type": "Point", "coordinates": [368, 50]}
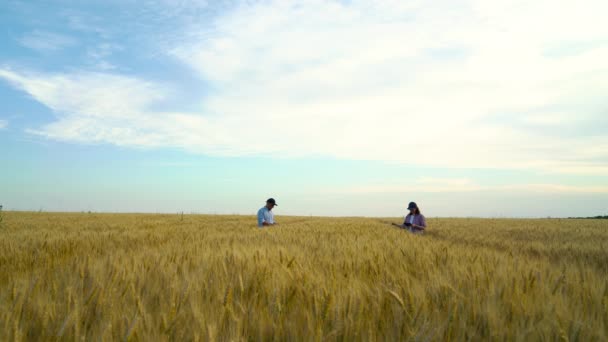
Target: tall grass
{"type": "Point", "coordinates": [172, 277]}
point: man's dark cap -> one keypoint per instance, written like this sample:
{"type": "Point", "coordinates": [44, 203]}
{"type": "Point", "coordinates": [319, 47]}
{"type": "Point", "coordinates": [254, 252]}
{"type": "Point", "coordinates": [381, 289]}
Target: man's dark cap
{"type": "Point", "coordinates": [412, 206]}
{"type": "Point", "coordinates": [272, 201]}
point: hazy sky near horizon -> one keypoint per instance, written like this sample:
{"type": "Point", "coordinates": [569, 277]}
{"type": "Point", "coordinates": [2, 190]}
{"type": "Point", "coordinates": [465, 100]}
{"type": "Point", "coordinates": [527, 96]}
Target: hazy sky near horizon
{"type": "Point", "coordinates": [469, 107]}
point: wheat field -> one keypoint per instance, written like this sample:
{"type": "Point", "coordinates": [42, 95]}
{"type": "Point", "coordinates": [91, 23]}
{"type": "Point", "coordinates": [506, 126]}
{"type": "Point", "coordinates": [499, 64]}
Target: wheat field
{"type": "Point", "coordinates": [144, 277]}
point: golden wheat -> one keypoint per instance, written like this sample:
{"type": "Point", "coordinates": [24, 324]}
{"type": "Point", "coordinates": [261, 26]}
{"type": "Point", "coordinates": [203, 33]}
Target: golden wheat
{"type": "Point", "coordinates": [167, 277]}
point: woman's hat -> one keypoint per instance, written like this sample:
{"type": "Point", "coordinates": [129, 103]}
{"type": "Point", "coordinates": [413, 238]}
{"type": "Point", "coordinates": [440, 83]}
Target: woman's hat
{"type": "Point", "coordinates": [412, 206]}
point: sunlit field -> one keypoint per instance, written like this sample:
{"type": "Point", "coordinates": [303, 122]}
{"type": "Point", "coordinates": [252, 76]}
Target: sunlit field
{"type": "Point", "coordinates": [170, 277]}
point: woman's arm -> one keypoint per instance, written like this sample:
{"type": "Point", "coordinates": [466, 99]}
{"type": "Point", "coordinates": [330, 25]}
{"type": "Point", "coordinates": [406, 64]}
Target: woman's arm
{"type": "Point", "coordinates": [422, 224]}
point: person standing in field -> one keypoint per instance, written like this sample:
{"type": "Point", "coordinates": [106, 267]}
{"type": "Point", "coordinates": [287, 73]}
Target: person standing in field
{"type": "Point", "coordinates": [414, 221]}
{"type": "Point", "coordinates": [265, 214]}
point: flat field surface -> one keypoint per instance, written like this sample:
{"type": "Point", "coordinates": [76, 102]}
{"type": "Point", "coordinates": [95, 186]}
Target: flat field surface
{"type": "Point", "coordinates": [105, 277]}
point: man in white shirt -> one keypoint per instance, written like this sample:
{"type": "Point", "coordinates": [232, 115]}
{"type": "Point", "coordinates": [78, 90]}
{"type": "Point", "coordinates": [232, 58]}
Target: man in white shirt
{"type": "Point", "coordinates": [265, 215]}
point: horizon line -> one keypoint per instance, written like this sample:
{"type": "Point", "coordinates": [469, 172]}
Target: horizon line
{"type": "Point", "coordinates": [288, 215]}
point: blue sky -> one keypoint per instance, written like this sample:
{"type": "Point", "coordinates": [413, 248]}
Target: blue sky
{"type": "Point", "coordinates": [470, 108]}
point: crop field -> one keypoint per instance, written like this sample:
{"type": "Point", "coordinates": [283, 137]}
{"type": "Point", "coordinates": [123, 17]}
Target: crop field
{"type": "Point", "coordinates": [156, 277]}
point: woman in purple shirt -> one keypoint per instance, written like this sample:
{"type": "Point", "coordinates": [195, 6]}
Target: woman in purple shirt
{"type": "Point", "coordinates": [414, 221]}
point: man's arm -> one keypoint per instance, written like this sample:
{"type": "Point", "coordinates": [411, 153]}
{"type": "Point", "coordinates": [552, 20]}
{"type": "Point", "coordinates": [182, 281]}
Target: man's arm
{"type": "Point", "coordinates": [261, 221]}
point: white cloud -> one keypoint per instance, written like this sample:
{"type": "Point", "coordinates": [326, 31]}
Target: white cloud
{"type": "Point", "coordinates": [406, 82]}
{"type": "Point", "coordinates": [46, 41]}
{"type": "Point", "coordinates": [108, 108]}
{"type": "Point", "coordinates": [3, 124]}
{"type": "Point", "coordinates": [375, 81]}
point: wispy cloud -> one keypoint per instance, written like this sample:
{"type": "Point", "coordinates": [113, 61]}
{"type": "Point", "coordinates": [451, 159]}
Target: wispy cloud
{"type": "Point", "coordinates": [463, 185]}
{"type": "Point", "coordinates": [110, 108]}
{"type": "Point", "coordinates": [101, 108]}
{"type": "Point", "coordinates": [98, 55]}
{"type": "Point", "coordinates": [86, 22]}
{"type": "Point", "coordinates": [3, 124]}
{"type": "Point", "coordinates": [46, 41]}
{"type": "Point", "coordinates": [411, 82]}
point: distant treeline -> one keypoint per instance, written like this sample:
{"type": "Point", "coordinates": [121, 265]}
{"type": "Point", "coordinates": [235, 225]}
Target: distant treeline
{"type": "Point", "coordinates": [605, 217]}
